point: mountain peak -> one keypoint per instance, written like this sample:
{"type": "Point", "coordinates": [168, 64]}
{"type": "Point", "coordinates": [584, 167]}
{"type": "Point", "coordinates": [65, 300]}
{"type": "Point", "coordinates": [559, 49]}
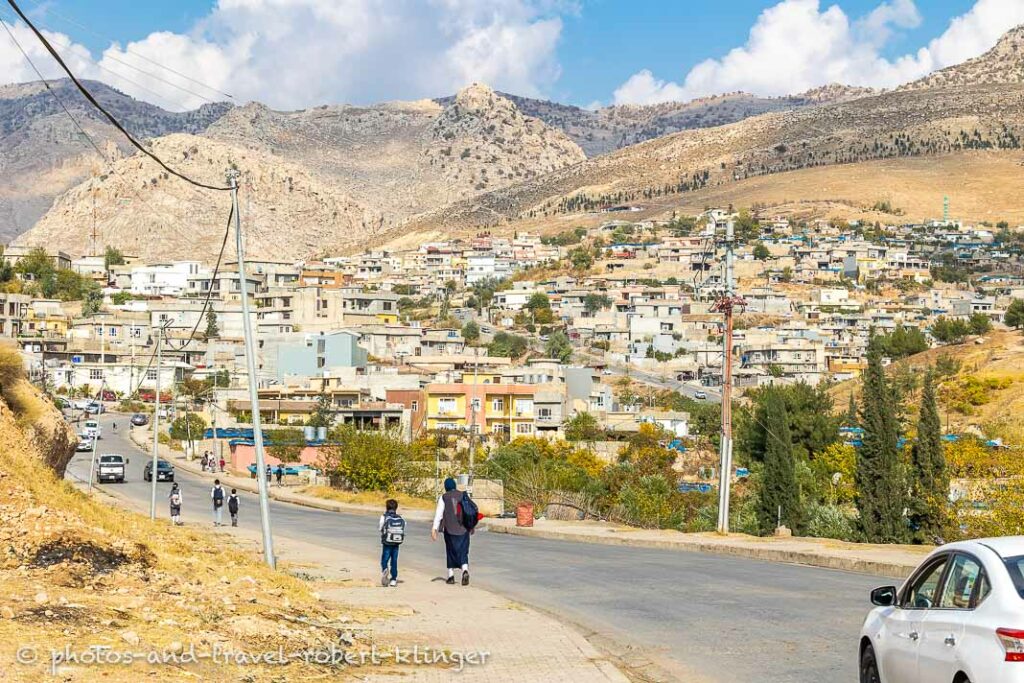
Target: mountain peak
{"type": "Point", "coordinates": [476, 97]}
{"type": "Point", "coordinates": [1003, 64]}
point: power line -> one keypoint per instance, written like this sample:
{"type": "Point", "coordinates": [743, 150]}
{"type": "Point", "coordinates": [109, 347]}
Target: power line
{"type": "Point", "coordinates": [110, 117]}
{"type": "Point", "coordinates": [49, 10]}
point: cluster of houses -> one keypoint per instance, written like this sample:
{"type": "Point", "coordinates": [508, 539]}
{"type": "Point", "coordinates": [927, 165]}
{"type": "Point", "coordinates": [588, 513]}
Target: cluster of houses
{"type": "Point", "coordinates": [341, 327]}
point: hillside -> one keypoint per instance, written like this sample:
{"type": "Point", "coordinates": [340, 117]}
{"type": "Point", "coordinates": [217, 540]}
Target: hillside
{"type": "Point", "coordinates": [42, 152]}
{"type": "Point", "coordinates": [607, 129]}
{"type": "Point", "coordinates": [405, 158]}
{"type": "Point", "coordinates": [82, 574]}
{"type": "Point", "coordinates": [289, 212]}
{"type": "Point", "coordinates": [1003, 64]}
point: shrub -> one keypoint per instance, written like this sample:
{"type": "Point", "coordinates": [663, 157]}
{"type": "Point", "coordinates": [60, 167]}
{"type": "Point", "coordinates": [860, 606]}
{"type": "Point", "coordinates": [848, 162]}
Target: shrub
{"type": "Point", "coordinates": [648, 502]}
{"type": "Point", "coordinates": [829, 521]}
{"type": "Point", "coordinates": [366, 461]}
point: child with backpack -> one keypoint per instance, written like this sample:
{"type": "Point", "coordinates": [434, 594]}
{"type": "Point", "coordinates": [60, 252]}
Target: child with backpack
{"type": "Point", "coordinates": [456, 517]}
{"type": "Point", "coordinates": [392, 533]}
{"type": "Point", "coordinates": [233, 507]}
{"type": "Point", "coordinates": [217, 494]}
{"type": "Point", "coordinates": [175, 501]}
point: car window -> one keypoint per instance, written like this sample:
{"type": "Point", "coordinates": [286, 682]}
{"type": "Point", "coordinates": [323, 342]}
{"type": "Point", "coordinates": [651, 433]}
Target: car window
{"type": "Point", "coordinates": [984, 588]}
{"type": "Point", "coordinates": [921, 593]}
{"type": "Point", "coordinates": [963, 577]}
{"type": "Point", "coordinates": [1015, 565]}
{"type": "Point", "coordinates": [110, 458]}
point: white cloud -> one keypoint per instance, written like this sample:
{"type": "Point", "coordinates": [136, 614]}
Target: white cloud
{"type": "Point", "coordinates": [13, 65]}
{"type": "Point", "coordinates": [299, 53]}
{"type": "Point", "coordinates": [797, 45]}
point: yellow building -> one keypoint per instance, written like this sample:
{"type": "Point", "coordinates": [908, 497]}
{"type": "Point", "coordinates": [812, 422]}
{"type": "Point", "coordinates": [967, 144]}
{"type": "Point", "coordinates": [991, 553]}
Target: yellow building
{"type": "Point", "coordinates": [494, 408]}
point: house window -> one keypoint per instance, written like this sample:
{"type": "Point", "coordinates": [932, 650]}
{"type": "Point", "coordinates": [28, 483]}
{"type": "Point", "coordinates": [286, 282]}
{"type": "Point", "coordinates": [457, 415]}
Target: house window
{"type": "Point", "coordinates": [387, 305]}
{"type": "Point", "coordinates": [151, 374]}
{"type": "Point", "coordinates": [475, 403]}
{"type": "Point", "coordinates": [544, 412]}
{"type": "Point", "coordinates": [96, 373]}
{"type": "Point", "coordinates": [498, 404]}
{"type": "Point", "coordinates": [524, 406]}
{"type": "Point", "coordinates": [524, 428]}
{"type": "Point", "coordinates": [113, 331]}
{"type": "Point", "coordinates": [136, 332]}
{"type": "Point", "coordinates": [321, 362]}
{"type": "Point", "coordinates": [415, 405]}
{"type": "Point", "coordinates": [446, 406]}
{"type": "Point", "coordinates": [99, 331]}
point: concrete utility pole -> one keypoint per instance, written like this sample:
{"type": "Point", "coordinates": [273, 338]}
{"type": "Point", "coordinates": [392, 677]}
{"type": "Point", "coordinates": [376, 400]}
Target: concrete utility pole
{"type": "Point", "coordinates": [254, 397]}
{"type": "Point", "coordinates": [472, 423]}
{"type": "Point", "coordinates": [725, 305]}
{"type": "Point", "coordinates": [156, 423]}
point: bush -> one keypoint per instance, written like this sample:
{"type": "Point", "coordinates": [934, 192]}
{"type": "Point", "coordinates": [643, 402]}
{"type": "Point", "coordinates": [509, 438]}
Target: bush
{"type": "Point", "coordinates": [648, 502]}
{"type": "Point", "coordinates": [829, 521]}
{"type": "Point", "coordinates": [366, 461]}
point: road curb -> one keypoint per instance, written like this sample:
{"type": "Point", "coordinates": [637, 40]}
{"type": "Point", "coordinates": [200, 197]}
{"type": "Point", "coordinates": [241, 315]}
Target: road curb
{"type": "Point", "coordinates": [849, 564]}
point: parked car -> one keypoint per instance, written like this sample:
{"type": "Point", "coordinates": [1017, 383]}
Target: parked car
{"type": "Point", "coordinates": [111, 468]}
{"type": "Point", "coordinates": [164, 471]}
{"type": "Point", "coordinates": [700, 396]}
{"type": "Point", "coordinates": [95, 408]}
{"type": "Point", "coordinates": [82, 403]}
{"type": "Point", "coordinates": [958, 618]}
{"type": "Point", "coordinates": [108, 395]}
{"type": "Point", "coordinates": [139, 420]}
{"type": "Point", "coordinates": [84, 445]}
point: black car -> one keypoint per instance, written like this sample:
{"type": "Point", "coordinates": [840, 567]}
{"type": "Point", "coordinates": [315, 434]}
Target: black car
{"type": "Point", "coordinates": [139, 420]}
{"type": "Point", "coordinates": [164, 471]}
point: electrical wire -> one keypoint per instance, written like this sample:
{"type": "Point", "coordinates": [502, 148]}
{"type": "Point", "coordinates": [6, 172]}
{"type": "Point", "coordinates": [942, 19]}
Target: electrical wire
{"type": "Point", "coordinates": [110, 117]}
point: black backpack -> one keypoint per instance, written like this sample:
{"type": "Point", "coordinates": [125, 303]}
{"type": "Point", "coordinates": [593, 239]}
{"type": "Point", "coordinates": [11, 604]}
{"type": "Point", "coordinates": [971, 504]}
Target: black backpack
{"type": "Point", "coordinates": [470, 512]}
{"type": "Point", "coordinates": [218, 496]}
{"type": "Point", "coordinates": [394, 530]}
{"type": "Point", "coordinates": [233, 504]}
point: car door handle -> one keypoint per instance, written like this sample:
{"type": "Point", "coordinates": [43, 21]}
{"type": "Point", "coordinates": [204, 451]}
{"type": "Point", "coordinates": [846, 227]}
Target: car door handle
{"type": "Point", "coordinates": [950, 640]}
{"type": "Point", "coordinates": [913, 635]}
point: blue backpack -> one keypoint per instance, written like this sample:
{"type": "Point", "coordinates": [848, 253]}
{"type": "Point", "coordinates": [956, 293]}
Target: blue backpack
{"type": "Point", "coordinates": [470, 512]}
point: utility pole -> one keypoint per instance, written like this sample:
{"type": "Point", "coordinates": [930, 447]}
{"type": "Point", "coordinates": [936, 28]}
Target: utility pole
{"type": "Point", "coordinates": [254, 397]}
{"type": "Point", "coordinates": [725, 305]}
{"type": "Point", "coordinates": [472, 422]}
{"type": "Point", "coordinates": [156, 423]}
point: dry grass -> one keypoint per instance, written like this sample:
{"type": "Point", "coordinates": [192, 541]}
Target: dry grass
{"type": "Point", "coordinates": [368, 498]}
{"type": "Point", "coordinates": [80, 573]}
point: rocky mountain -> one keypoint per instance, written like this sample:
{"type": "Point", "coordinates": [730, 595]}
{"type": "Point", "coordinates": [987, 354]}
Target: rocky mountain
{"type": "Point", "coordinates": [42, 152]}
{"type": "Point", "coordinates": [290, 212]}
{"type": "Point", "coordinates": [607, 129]}
{"type": "Point", "coordinates": [1003, 64]}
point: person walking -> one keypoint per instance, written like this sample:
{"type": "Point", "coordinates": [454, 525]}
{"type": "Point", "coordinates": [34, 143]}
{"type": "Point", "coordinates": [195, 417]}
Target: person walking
{"type": "Point", "coordinates": [448, 520]}
{"type": "Point", "coordinates": [392, 533]}
{"type": "Point", "coordinates": [270, 472]}
{"type": "Point", "coordinates": [174, 497]}
{"type": "Point", "coordinates": [233, 507]}
{"type": "Point", "coordinates": [217, 494]}
{"type": "Point", "coordinates": [222, 463]}
{"type": "Point", "coordinates": [279, 473]}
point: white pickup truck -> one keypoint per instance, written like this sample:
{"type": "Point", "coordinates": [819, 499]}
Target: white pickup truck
{"type": "Point", "coordinates": [111, 468]}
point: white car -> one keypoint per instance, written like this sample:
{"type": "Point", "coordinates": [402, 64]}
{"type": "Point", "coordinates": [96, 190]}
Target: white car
{"type": "Point", "coordinates": [959, 618]}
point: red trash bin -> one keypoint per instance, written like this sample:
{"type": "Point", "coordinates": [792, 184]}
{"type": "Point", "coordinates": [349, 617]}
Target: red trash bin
{"type": "Point", "coordinates": [524, 514]}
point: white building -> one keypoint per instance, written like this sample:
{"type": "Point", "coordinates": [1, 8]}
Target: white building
{"type": "Point", "coordinates": [163, 279]}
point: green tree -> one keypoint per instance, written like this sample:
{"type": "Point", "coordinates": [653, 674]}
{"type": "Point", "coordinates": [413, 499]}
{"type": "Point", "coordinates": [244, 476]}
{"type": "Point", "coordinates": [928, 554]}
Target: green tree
{"type": "Point", "coordinates": [112, 257]}
{"type": "Point", "coordinates": [212, 330]}
{"type": "Point", "coordinates": [880, 476]}
{"type": "Point", "coordinates": [285, 444]}
{"type": "Point", "coordinates": [581, 259]}
{"type": "Point", "coordinates": [812, 424]}
{"type": "Point", "coordinates": [189, 427]}
{"type": "Point", "coordinates": [930, 479]}
{"type": "Point", "coordinates": [593, 302]}
{"type": "Point", "coordinates": [471, 332]}
{"type": "Point", "coordinates": [851, 412]}
{"type": "Point", "coordinates": [539, 306]}
{"type": "Point", "coordinates": [507, 345]}
{"type": "Point", "coordinates": [761, 252]}
{"type": "Point", "coordinates": [582, 427]}
{"type": "Point", "coordinates": [92, 301]}
{"type": "Point", "coordinates": [949, 331]}
{"type": "Point", "coordinates": [323, 415]}
{"type": "Point", "coordinates": [558, 346]}
{"type": "Point", "coordinates": [778, 486]}
{"type": "Point", "coordinates": [979, 324]}
{"type": "Point", "coordinates": [901, 342]}
{"type": "Point", "coordinates": [1014, 316]}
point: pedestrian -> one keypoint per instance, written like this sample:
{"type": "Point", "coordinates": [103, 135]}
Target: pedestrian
{"type": "Point", "coordinates": [448, 520]}
{"type": "Point", "coordinates": [392, 533]}
{"type": "Point", "coordinates": [222, 463]}
{"type": "Point", "coordinates": [217, 494]}
{"type": "Point", "coordinates": [269, 473]}
{"type": "Point", "coordinates": [175, 500]}
{"type": "Point", "coordinates": [279, 473]}
{"type": "Point", "coordinates": [233, 507]}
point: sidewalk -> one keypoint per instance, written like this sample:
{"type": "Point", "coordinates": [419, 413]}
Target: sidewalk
{"type": "Point", "coordinates": [881, 560]}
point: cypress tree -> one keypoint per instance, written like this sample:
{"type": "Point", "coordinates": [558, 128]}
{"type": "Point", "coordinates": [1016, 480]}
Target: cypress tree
{"type": "Point", "coordinates": [851, 412]}
{"type": "Point", "coordinates": [880, 478]}
{"type": "Point", "coordinates": [930, 484]}
{"type": "Point", "coordinates": [778, 476]}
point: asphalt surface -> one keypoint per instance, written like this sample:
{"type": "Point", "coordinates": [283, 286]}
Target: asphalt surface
{"type": "Point", "coordinates": [698, 616]}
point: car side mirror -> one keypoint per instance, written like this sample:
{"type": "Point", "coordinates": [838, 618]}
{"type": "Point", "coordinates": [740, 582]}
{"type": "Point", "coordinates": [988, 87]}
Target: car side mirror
{"type": "Point", "coordinates": [884, 596]}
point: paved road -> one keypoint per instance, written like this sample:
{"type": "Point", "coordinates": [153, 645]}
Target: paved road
{"type": "Point", "coordinates": [663, 381]}
{"type": "Point", "coordinates": [728, 619]}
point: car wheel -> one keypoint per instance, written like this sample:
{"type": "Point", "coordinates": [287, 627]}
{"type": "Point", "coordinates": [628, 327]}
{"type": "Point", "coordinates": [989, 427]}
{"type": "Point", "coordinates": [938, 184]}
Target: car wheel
{"type": "Point", "coordinates": [869, 666]}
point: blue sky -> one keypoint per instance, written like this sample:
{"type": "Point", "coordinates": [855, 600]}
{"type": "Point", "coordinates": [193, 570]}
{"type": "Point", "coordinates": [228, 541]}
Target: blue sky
{"type": "Point", "coordinates": [295, 53]}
